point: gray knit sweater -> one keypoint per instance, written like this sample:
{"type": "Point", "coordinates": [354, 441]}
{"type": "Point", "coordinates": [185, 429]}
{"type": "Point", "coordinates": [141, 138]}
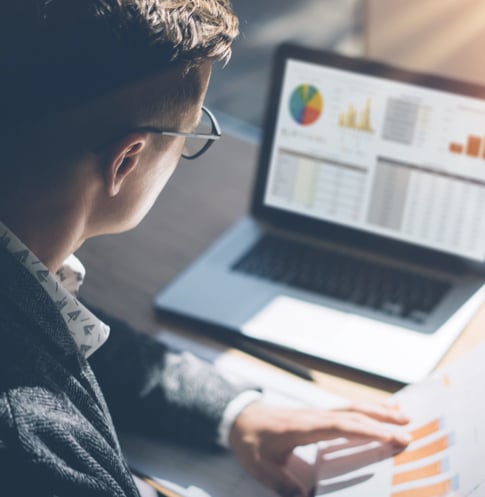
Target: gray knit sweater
{"type": "Point", "coordinates": [56, 433]}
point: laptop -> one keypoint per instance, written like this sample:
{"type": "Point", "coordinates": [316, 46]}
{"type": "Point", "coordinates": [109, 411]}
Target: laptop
{"type": "Point", "coordinates": [365, 245]}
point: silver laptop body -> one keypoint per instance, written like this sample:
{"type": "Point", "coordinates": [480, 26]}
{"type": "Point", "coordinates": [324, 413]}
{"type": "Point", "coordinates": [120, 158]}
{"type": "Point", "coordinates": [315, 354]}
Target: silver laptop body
{"type": "Point", "coordinates": [366, 241]}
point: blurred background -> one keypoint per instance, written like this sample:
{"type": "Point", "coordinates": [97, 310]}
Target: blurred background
{"type": "Point", "coordinates": [442, 36]}
{"type": "Point", "coordinates": [239, 90]}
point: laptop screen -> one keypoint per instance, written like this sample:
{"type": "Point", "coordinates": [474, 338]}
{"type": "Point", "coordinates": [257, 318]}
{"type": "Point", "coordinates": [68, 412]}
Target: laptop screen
{"type": "Point", "coordinates": [382, 156]}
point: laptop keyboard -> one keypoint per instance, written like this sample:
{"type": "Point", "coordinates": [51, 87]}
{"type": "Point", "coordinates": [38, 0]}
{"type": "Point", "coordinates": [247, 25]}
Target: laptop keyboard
{"type": "Point", "coordinates": [393, 291]}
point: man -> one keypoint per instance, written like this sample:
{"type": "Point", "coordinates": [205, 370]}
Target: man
{"type": "Point", "coordinates": [99, 100]}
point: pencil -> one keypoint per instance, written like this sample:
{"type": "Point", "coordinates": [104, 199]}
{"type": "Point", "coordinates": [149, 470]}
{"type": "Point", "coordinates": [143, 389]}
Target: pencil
{"type": "Point", "coordinates": [157, 486]}
{"type": "Point", "coordinates": [275, 360]}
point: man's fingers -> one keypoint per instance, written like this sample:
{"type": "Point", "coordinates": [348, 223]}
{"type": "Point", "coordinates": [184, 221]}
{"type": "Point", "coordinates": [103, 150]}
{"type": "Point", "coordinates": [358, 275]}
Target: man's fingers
{"type": "Point", "coordinates": [263, 437]}
{"type": "Point", "coordinates": [279, 479]}
{"type": "Point", "coordinates": [316, 426]}
{"type": "Point", "coordinates": [378, 412]}
{"type": "Point", "coordinates": [361, 425]}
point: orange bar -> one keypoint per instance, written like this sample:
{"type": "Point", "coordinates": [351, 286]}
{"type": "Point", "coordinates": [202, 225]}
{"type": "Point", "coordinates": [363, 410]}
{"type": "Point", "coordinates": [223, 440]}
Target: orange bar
{"type": "Point", "coordinates": [447, 381]}
{"type": "Point", "coordinates": [456, 148]}
{"type": "Point", "coordinates": [430, 490]}
{"type": "Point", "coordinates": [435, 447]}
{"type": "Point", "coordinates": [427, 430]}
{"type": "Point", "coordinates": [433, 469]}
{"type": "Point", "coordinates": [473, 146]}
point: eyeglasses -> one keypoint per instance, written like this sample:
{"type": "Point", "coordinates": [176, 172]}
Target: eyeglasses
{"type": "Point", "coordinates": [198, 142]}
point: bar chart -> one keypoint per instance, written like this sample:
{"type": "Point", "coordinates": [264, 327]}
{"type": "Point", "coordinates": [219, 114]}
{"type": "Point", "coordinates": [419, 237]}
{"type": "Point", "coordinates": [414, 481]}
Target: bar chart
{"type": "Point", "coordinates": [353, 119]}
{"type": "Point", "coordinates": [434, 490]}
{"type": "Point", "coordinates": [427, 471]}
{"type": "Point", "coordinates": [424, 470]}
{"type": "Point", "coordinates": [428, 450]}
{"type": "Point", "coordinates": [473, 148]}
{"type": "Point", "coordinates": [445, 455]}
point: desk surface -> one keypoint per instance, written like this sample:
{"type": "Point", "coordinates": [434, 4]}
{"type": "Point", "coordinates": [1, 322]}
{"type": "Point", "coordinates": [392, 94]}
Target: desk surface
{"type": "Point", "coordinates": [204, 198]}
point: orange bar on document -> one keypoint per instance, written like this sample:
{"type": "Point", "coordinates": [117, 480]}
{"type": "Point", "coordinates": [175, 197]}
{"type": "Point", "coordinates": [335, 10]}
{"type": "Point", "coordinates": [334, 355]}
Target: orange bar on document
{"type": "Point", "coordinates": [428, 471]}
{"type": "Point", "coordinates": [435, 447]}
{"type": "Point", "coordinates": [428, 429]}
{"type": "Point", "coordinates": [434, 490]}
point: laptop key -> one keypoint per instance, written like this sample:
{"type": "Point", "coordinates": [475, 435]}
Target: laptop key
{"type": "Point", "coordinates": [418, 316]}
{"type": "Point", "coordinates": [389, 290]}
{"type": "Point", "coordinates": [392, 308]}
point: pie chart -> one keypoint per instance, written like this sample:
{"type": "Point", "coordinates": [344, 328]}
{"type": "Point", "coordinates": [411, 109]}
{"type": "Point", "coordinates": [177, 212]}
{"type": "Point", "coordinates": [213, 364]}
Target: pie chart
{"type": "Point", "coordinates": [306, 104]}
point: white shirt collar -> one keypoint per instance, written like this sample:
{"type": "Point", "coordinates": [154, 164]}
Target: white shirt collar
{"type": "Point", "coordinates": [88, 332]}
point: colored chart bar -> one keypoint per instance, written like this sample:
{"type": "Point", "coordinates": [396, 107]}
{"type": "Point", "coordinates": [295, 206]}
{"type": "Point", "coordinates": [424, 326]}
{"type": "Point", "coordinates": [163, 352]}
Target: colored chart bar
{"type": "Point", "coordinates": [362, 122]}
{"type": "Point", "coordinates": [447, 381]}
{"type": "Point", "coordinates": [431, 490]}
{"type": "Point", "coordinates": [456, 148]}
{"type": "Point", "coordinates": [426, 430]}
{"type": "Point", "coordinates": [435, 447]}
{"type": "Point", "coordinates": [434, 469]}
{"type": "Point", "coordinates": [473, 146]}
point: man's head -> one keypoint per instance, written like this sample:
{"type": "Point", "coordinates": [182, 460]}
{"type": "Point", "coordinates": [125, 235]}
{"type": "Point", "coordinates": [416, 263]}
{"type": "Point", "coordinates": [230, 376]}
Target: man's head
{"type": "Point", "coordinates": [78, 76]}
{"type": "Point", "coordinates": [55, 54]}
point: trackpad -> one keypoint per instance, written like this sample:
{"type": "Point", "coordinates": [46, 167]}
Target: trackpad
{"type": "Point", "coordinates": [338, 336]}
{"type": "Point", "coordinates": [294, 323]}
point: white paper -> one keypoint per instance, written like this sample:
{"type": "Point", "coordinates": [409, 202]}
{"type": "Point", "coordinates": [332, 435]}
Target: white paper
{"type": "Point", "coordinates": [447, 456]}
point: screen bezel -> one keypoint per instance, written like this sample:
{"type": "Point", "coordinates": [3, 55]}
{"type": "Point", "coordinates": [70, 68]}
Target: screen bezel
{"type": "Point", "coordinates": [327, 230]}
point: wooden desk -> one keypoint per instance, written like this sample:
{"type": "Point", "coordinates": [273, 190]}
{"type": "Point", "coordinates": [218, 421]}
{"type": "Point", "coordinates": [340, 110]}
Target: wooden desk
{"type": "Point", "coordinates": [203, 199]}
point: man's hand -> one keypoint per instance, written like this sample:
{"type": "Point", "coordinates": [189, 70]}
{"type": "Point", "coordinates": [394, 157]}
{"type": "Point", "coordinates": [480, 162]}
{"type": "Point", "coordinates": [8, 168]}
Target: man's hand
{"type": "Point", "coordinates": [263, 437]}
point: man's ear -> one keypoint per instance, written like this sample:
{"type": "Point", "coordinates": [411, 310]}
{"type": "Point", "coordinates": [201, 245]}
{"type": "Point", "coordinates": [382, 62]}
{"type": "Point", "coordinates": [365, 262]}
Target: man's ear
{"type": "Point", "coordinates": [121, 160]}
